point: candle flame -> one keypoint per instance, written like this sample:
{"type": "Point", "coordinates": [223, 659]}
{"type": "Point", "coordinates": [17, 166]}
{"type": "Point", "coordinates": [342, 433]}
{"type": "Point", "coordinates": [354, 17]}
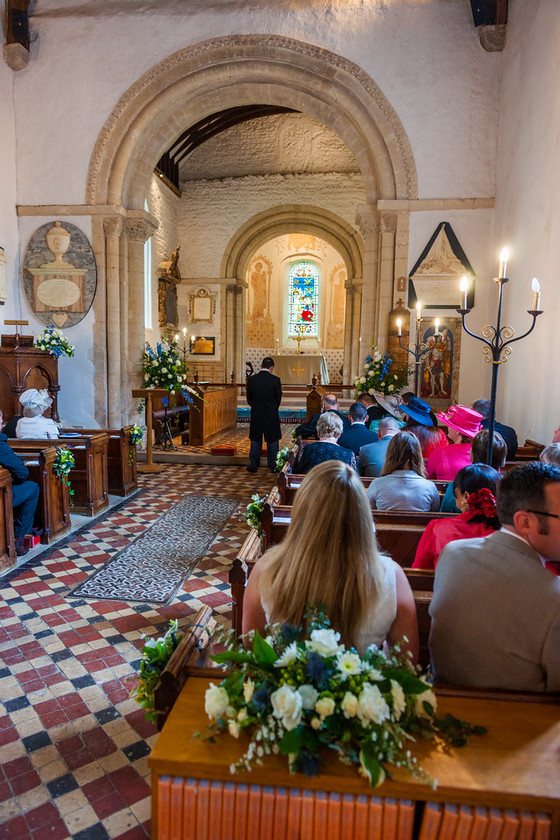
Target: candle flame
{"type": "Point", "coordinates": [536, 285]}
{"type": "Point", "coordinates": [504, 255]}
{"type": "Point", "coordinates": [464, 283]}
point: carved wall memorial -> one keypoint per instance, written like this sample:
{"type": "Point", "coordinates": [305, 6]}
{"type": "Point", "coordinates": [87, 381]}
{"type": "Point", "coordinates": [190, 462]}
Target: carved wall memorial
{"type": "Point", "coordinates": [59, 274]}
{"type": "Point", "coordinates": [437, 273]}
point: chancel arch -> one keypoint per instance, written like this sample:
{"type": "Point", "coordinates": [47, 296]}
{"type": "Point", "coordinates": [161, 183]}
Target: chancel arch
{"type": "Point", "coordinates": [187, 87]}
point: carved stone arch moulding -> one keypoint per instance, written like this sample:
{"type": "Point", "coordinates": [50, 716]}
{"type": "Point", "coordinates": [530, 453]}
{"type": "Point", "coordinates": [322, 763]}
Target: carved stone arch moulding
{"type": "Point", "coordinates": [216, 74]}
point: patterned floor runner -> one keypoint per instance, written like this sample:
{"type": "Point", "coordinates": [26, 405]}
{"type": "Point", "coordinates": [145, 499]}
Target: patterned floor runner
{"type": "Point", "coordinates": [153, 567]}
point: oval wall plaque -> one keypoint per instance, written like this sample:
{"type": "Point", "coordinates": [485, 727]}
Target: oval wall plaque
{"type": "Point", "coordinates": [59, 274]}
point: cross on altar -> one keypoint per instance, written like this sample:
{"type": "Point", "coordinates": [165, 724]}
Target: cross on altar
{"type": "Point", "coordinates": [297, 370]}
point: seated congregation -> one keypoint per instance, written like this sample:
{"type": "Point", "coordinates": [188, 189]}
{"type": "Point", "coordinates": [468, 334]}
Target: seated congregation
{"type": "Point", "coordinates": [489, 614]}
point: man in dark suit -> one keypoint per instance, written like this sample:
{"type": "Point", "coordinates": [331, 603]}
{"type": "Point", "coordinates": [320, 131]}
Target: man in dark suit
{"type": "Point", "coordinates": [508, 434]}
{"type": "Point", "coordinates": [25, 494]}
{"type": "Point", "coordinates": [357, 435]}
{"type": "Point", "coordinates": [309, 429]}
{"type": "Point", "coordinates": [264, 394]}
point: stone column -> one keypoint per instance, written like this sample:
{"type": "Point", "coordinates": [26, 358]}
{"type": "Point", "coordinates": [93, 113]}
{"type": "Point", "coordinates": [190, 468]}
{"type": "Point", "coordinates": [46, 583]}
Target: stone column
{"type": "Point", "coordinates": [113, 228]}
{"type": "Point", "coordinates": [367, 219]}
{"type": "Point", "coordinates": [133, 330]}
{"type": "Point", "coordinates": [352, 343]}
{"type": "Point", "coordinates": [387, 241]}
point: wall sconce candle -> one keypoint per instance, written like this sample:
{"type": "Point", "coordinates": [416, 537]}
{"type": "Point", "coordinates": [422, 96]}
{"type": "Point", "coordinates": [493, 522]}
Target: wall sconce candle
{"type": "Point", "coordinates": [418, 310]}
{"type": "Point", "coordinates": [536, 294]}
{"type": "Point", "coordinates": [399, 326]}
{"type": "Point", "coordinates": [437, 326]}
{"type": "Point", "coordinates": [464, 289]}
{"type": "Point", "coordinates": [504, 256]}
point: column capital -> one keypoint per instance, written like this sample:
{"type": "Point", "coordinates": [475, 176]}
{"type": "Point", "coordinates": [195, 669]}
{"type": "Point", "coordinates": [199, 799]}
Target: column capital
{"type": "Point", "coordinates": [139, 229]}
{"type": "Point", "coordinates": [388, 221]}
{"type": "Point", "coordinates": [367, 219]}
{"type": "Point", "coordinates": [113, 225]}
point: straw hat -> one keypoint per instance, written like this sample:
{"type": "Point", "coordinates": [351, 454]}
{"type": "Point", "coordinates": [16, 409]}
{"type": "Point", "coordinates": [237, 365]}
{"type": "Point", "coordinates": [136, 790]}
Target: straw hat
{"type": "Point", "coordinates": [463, 419]}
{"type": "Point", "coordinates": [388, 404]}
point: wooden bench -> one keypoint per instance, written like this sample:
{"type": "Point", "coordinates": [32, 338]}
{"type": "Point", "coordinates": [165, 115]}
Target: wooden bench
{"type": "Point", "coordinates": [8, 557]}
{"type": "Point", "coordinates": [88, 477]}
{"type": "Point", "coordinates": [289, 483]}
{"type": "Point", "coordinates": [513, 768]}
{"type": "Point", "coordinates": [122, 476]}
{"type": "Point", "coordinates": [53, 510]}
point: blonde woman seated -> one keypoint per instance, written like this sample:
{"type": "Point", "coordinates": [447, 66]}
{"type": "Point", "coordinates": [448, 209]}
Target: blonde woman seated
{"type": "Point", "coordinates": [402, 484]}
{"type": "Point", "coordinates": [33, 425]}
{"type": "Point", "coordinates": [330, 558]}
{"type": "Point", "coordinates": [329, 429]}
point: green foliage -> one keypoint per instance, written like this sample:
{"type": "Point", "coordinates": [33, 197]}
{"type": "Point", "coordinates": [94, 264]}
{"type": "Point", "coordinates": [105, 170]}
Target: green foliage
{"type": "Point", "coordinates": [156, 653]}
{"type": "Point", "coordinates": [254, 510]}
{"type": "Point", "coordinates": [380, 375]}
{"type": "Point", "coordinates": [62, 465]}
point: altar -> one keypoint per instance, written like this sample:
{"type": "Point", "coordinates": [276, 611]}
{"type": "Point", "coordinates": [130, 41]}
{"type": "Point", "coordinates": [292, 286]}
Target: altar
{"type": "Point", "coordinates": [298, 369]}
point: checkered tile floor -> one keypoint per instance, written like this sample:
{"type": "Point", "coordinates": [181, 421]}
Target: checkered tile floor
{"type": "Point", "coordinates": [73, 746]}
{"type": "Point", "coordinates": [238, 437]}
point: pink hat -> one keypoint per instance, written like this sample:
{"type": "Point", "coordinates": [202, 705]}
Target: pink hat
{"type": "Point", "coordinates": [463, 419]}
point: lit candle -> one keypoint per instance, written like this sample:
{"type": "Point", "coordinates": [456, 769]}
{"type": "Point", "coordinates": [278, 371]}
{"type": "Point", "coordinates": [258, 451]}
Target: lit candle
{"type": "Point", "coordinates": [184, 332]}
{"type": "Point", "coordinates": [399, 326]}
{"type": "Point", "coordinates": [192, 341]}
{"type": "Point", "coordinates": [504, 256]}
{"type": "Point", "coordinates": [176, 336]}
{"type": "Point", "coordinates": [536, 295]}
{"type": "Point", "coordinates": [418, 310]}
{"type": "Point", "coordinates": [437, 326]}
{"type": "Point", "coordinates": [464, 289]}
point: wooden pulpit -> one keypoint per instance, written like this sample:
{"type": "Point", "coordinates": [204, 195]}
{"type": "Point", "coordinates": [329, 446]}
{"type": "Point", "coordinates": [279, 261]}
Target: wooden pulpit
{"type": "Point", "coordinates": [23, 366]}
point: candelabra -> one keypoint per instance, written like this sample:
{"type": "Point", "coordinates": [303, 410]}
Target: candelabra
{"type": "Point", "coordinates": [497, 339]}
{"type": "Point", "coordinates": [421, 348]}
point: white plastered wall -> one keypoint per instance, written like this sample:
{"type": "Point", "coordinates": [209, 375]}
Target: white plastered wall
{"type": "Point", "coordinates": [8, 218]}
{"type": "Point", "coordinates": [528, 214]}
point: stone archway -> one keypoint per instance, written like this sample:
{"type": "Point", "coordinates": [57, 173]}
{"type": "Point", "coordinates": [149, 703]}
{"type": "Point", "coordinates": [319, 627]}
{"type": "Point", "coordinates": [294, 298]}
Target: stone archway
{"type": "Point", "coordinates": [186, 87]}
{"type": "Point", "coordinates": [291, 218]}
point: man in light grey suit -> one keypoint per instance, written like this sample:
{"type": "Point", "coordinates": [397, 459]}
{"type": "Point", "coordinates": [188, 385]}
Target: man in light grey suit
{"type": "Point", "coordinates": [372, 455]}
{"type": "Point", "coordinates": [496, 607]}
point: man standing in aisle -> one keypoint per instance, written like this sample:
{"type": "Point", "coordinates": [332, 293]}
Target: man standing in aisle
{"type": "Point", "coordinates": [264, 394]}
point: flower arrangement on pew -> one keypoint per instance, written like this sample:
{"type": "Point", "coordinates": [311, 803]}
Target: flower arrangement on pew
{"type": "Point", "coordinates": [156, 653]}
{"type": "Point", "coordinates": [163, 368]}
{"type": "Point", "coordinates": [380, 376]}
{"type": "Point", "coordinates": [254, 510]}
{"type": "Point", "coordinates": [282, 457]}
{"type": "Point", "coordinates": [136, 435]}
{"type": "Point", "coordinates": [62, 465]}
{"type": "Point", "coordinates": [53, 341]}
{"type": "Point", "coordinates": [300, 696]}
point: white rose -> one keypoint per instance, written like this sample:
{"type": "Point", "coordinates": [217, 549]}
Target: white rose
{"type": "Point", "coordinates": [349, 705]}
{"type": "Point", "coordinates": [366, 366]}
{"type": "Point", "coordinates": [349, 664]}
{"type": "Point", "coordinates": [399, 701]}
{"type": "Point", "coordinates": [290, 655]}
{"type": "Point", "coordinates": [287, 705]}
{"type": "Point", "coordinates": [325, 706]}
{"type": "Point", "coordinates": [216, 701]}
{"type": "Point", "coordinates": [391, 388]}
{"type": "Point", "coordinates": [363, 380]}
{"type": "Point", "coordinates": [371, 705]}
{"type": "Point", "coordinates": [316, 723]}
{"type": "Point", "coordinates": [233, 728]}
{"type": "Point", "coordinates": [425, 697]}
{"type": "Point", "coordinates": [248, 688]}
{"type": "Point", "coordinates": [324, 642]}
{"type": "Point", "coordinates": [377, 356]}
{"type": "Point", "coordinates": [308, 696]}
{"type": "Point", "coordinates": [371, 391]}
{"type": "Point", "coordinates": [242, 715]}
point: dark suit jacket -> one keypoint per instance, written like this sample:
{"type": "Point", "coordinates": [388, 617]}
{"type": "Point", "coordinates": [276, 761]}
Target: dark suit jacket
{"type": "Point", "coordinates": [357, 436]}
{"type": "Point", "coordinates": [12, 462]}
{"type": "Point", "coordinates": [508, 435]}
{"type": "Point", "coordinates": [309, 429]}
{"type": "Point", "coordinates": [264, 394]}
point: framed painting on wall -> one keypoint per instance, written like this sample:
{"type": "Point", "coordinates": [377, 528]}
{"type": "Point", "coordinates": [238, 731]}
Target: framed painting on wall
{"type": "Point", "coordinates": [201, 346]}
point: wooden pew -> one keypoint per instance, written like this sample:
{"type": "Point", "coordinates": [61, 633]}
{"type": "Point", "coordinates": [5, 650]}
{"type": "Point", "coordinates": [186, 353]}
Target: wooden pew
{"type": "Point", "coordinates": [122, 476]}
{"type": "Point", "coordinates": [88, 477]}
{"type": "Point", "coordinates": [289, 482]}
{"type": "Point", "coordinates": [54, 500]}
{"type": "Point", "coordinates": [186, 656]}
{"type": "Point", "coordinates": [8, 557]}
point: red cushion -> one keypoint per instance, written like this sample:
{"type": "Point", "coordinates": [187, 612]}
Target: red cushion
{"type": "Point", "coordinates": [223, 450]}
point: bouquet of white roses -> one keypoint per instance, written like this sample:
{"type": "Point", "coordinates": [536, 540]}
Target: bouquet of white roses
{"type": "Point", "coordinates": [380, 375]}
{"type": "Point", "coordinates": [53, 341]}
{"type": "Point", "coordinates": [163, 368]}
{"type": "Point", "coordinates": [299, 696]}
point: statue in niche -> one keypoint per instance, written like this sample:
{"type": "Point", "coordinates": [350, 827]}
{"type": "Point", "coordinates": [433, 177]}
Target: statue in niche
{"type": "Point", "coordinates": [260, 290]}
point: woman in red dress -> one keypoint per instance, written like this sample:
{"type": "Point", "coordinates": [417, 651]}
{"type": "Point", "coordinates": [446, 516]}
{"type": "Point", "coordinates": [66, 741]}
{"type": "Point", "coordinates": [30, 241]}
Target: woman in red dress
{"type": "Point", "coordinates": [475, 492]}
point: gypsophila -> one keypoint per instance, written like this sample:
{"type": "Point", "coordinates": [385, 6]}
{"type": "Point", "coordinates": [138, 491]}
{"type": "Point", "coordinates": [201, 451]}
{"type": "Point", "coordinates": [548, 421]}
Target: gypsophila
{"type": "Point", "coordinates": [301, 696]}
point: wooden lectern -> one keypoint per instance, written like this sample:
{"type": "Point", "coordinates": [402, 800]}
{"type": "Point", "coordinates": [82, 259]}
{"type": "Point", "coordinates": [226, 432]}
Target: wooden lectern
{"type": "Point", "coordinates": [148, 394]}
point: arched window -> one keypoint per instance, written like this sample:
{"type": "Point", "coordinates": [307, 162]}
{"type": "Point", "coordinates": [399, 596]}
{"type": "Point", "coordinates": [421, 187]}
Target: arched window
{"type": "Point", "coordinates": [303, 299]}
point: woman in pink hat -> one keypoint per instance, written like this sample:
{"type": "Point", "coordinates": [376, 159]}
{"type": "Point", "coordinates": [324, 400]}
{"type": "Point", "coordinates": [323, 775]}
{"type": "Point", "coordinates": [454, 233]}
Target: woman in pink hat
{"type": "Point", "coordinates": [463, 423]}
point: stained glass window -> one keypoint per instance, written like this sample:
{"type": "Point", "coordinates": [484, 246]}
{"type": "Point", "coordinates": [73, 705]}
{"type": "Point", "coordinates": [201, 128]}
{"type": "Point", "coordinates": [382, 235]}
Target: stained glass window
{"type": "Point", "coordinates": [303, 299]}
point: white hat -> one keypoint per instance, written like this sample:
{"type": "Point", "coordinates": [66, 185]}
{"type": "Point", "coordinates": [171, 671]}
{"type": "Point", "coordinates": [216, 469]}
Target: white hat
{"type": "Point", "coordinates": [34, 399]}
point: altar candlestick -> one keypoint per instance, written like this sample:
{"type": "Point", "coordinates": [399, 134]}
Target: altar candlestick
{"type": "Point", "coordinates": [184, 332]}
{"type": "Point", "coordinates": [464, 289]}
{"type": "Point", "coordinates": [399, 326]}
{"type": "Point", "coordinates": [176, 336]}
{"type": "Point", "coordinates": [536, 294]}
{"type": "Point", "coordinates": [504, 256]}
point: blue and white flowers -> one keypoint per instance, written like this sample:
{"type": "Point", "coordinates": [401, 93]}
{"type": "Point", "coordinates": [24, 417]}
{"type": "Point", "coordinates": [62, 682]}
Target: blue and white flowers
{"type": "Point", "coordinates": [163, 368]}
{"type": "Point", "coordinates": [53, 341]}
{"type": "Point", "coordinates": [299, 695]}
{"type": "Point", "coordinates": [380, 375]}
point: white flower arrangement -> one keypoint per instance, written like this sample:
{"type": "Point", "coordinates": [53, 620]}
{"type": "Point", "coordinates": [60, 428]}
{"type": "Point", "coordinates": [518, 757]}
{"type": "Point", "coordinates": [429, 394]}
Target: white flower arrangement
{"type": "Point", "coordinates": [298, 696]}
{"type": "Point", "coordinates": [53, 341]}
{"type": "Point", "coordinates": [163, 368]}
{"type": "Point", "coordinates": [380, 375]}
